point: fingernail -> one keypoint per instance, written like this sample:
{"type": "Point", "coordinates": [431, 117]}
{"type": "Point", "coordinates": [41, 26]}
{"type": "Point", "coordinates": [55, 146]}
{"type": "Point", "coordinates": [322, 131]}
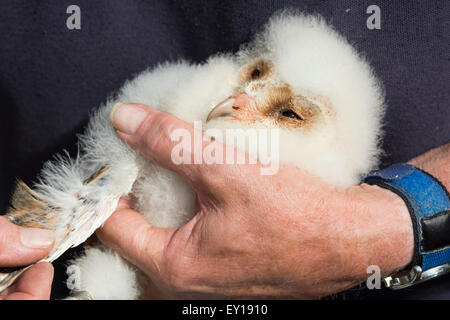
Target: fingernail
{"type": "Point", "coordinates": [127, 118]}
{"type": "Point", "coordinates": [36, 238]}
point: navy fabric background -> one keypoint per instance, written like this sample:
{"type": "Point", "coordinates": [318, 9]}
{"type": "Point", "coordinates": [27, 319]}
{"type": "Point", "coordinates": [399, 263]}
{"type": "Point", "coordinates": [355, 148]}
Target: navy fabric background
{"type": "Point", "coordinates": [50, 77]}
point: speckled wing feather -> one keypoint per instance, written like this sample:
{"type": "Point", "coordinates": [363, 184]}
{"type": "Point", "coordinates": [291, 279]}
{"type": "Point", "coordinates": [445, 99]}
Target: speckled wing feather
{"type": "Point", "coordinates": [30, 210]}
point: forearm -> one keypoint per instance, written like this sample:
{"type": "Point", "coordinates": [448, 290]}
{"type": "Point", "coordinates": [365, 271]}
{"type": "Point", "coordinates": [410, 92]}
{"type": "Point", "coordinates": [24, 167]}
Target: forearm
{"type": "Point", "coordinates": [436, 162]}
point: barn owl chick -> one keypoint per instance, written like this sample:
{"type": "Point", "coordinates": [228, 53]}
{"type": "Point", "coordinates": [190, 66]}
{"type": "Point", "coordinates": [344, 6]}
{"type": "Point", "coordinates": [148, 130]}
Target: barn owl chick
{"type": "Point", "coordinates": [298, 76]}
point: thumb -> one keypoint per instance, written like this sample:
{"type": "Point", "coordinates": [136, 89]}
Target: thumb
{"type": "Point", "coordinates": [130, 234]}
{"type": "Point", "coordinates": [20, 246]}
{"type": "Point", "coordinates": [156, 135]}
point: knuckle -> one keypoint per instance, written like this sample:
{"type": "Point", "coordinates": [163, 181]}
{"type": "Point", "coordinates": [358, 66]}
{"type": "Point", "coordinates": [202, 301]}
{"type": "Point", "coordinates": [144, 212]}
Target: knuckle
{"type": "Point", "coordinates": [157, 135]}
{"type": "Point", "coordinates": [143, 242]}
{"type": "Point", "coordinates": [6, 233]}
{"type": "Point", "coordinates": [140, 239]}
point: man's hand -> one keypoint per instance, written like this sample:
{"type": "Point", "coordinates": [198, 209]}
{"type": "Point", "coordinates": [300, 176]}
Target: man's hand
{"type": "Point", "coordinates": [20, 247]}
{"type": "Point", "coordinates": [289, 235]}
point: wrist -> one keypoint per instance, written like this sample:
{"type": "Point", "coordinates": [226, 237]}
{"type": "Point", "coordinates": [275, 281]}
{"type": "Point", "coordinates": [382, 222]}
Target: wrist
{"type": "Point", "coordinates": [429, 203]}
{"type": "Point", "coordinates": [383, 230]}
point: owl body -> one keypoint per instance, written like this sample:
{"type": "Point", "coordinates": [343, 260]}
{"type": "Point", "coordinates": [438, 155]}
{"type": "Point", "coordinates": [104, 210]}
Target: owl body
{"type": "Point", "coordinates": [298, 76]}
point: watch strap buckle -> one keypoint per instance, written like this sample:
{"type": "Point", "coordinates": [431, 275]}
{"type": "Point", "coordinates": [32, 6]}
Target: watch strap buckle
{"type": "Point", "coordinates": [415, 276]}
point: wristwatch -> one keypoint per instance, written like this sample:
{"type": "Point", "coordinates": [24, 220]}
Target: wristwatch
{"type": "Point", "coordinates": [428, 202]}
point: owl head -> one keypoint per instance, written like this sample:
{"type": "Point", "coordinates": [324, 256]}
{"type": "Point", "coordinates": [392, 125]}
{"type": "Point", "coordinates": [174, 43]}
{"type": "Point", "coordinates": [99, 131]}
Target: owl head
{"type": "Point", "coordinates": [303, 78]}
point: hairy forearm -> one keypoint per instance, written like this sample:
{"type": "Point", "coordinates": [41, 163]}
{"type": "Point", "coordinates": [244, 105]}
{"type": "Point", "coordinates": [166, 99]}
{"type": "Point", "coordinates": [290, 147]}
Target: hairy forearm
{"type": "Point", "coordinates": [436, 162]}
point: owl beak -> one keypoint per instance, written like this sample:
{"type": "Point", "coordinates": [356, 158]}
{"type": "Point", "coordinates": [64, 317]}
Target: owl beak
{"type": "Point", "coordinates": [229, 107]}
{"type": "Point", "coordinates": [223, 109]}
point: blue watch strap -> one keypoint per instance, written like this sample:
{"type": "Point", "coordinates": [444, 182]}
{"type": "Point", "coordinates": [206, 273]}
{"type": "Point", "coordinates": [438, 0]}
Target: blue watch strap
{"type": "Point", "coordinates": [429, 205]}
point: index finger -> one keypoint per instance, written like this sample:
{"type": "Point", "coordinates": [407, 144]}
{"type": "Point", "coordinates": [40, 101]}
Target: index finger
{"type": "Point", "coordinates": [134, 238]}
{"type": "Point", "coordinates": [20, 246]}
